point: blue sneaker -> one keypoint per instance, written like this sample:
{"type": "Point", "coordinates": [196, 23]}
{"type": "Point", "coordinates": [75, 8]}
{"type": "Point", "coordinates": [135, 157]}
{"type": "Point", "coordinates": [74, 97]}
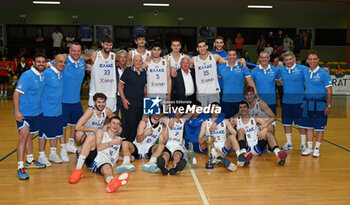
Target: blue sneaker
{"type": "Point", "coordinates": [229, 165]}
{"type": "Point", "coordinates": [22, 175]}
{"type": "Point", "coordinates": [128, 167]}
{"type": "Point", "coordinates": [150, 167]}
{"type": "Point", "coordinates": [34, 165]}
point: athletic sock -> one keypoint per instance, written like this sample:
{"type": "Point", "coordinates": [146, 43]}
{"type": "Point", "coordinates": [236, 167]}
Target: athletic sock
{"type": "Point", "coordinates": [238, 152]}
{"type": "Point", "coordinates": [126, 160]}
{"type": "Point", "coordinates": [108, 179]}
{"type": "Point", "coordinates": [63, 147]}
{"type": "Point", "coordinates": [80, 162]}
{"type": "Point", "coordinates": [42, 154]}
{"type": "Point", "coordinates": [30, 158]}
{"type": "Point", "coordinates": [289, 138]}
{"type": "Point", "coordinates": [317, 145]}
{"type": "Point", "coordinates": [309, 144]}
{"type": "Point", "coordinates": [20, 165]}
{"type": "Point", "coordinates": [53, 150]}
{"type": "Point", "coordinates": [70, 141]}
{"type": "Point", "coordinates": [276, 150]}
{"type": "Point", "coordinates": [153, 160]}
{"type": "Point", "coordinates": [242, 144]}
{"type": "Point", "coordinates": [303, 139]}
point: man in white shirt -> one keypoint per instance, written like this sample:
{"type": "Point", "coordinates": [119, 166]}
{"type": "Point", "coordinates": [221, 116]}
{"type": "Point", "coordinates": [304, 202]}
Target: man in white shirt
{"type": "Point", "coordinates": [57, 40]}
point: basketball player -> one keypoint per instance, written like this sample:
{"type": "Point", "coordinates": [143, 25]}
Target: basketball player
{"type": "Point", "coordinates": [51, 102]}
{"type": "Point", "coordinates": [258, 107]}
{"type": "Point", "coordinates": [28, 113]}
{"type": "Point", "coordinates": [251, 137]}
{"type": "Point", "coordinates": [224, 143]}
{"type": "Point", "coordinates": [293, 89]}
{"type": "Point", "coordinates": [145, 145]}
{"type": "Point", "coordinates": [141, 50]}
{"type": "Point", "coordinates": [158, 75]}
{"type": "Point", "coordinates": [93, 119]}
{"type": "Point", "coordinates": [206, 74]}
{"type": "Point", "coordinates": [103, 73]}
{"type": "Point", "coordinates": [175, 57]}
{"type": "Point", "coordinates": [101, 154]}
{"type": "Point", "coordinates": [174, 145]}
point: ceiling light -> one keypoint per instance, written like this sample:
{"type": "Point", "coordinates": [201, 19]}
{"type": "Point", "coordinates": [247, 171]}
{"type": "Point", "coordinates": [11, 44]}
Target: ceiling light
{"type": "Point", "coordinates": [46, 2]}
{"type": "Point", "coordinates": [155, 4]}
{"type": "Point", "coordinates": [259, 7]}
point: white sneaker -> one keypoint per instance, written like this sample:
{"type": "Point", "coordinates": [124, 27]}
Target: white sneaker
{"type": "Point", "coordinates": [55, 158]}
{"type": "Point", "coordinates": [307, 152]}
{"type": "Point", "coordinates": [64, 155]}
{"type": "Point", "coordinates": [70, 147]}
{"type": "Point", "coordinates": [316, 153]}
{"type": "Point", "coordinates": [287, 146]}
{"type": "Point", "coordinates": [44, 160]}
{"type": "Point", "coordinates": [302, 147]}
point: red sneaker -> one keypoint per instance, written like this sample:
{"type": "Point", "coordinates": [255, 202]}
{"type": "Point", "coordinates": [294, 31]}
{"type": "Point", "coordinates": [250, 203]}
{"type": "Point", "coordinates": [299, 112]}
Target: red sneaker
{"type": "Point", "coordinates": [76, 176]}
{"type": "Point", "coordinates": [116, 182]}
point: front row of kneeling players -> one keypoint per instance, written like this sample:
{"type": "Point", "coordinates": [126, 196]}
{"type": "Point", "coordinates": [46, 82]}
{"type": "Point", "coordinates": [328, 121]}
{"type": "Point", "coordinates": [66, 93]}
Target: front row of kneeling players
{"type": "Point", "coordinates": [99, 144]}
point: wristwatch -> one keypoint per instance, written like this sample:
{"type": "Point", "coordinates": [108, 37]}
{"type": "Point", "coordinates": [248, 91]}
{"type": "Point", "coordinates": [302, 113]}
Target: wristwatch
{"type": "Point", "coordinates": [329, 106]}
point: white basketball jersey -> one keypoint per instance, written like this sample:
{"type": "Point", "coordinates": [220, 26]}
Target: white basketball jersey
{"type": "Point", "coordinates": [144, 56]}
{"type": "Point", "coordinates": [206, 75]}
{"type": "Point", "coordinates": [173, 63]}
{"type": "Point", "coordinates": [219, 133]}
{"type": "Point", "coordinates": [157, 78]}
{"type": "Point", "coordinates": [251, 130]}
{"type": "Point", "coordinates": [256, 111]}
{"type": "Point", "coordinates": [110, 154]}
{"type": "Point", "coordinates": [150, 140]}
{"type": "Point", "coordinates": [95, 121]}
{"type": "Point", "coordinates": [103, 76]}
{"type": "Point", "coordinates": [176, 134]}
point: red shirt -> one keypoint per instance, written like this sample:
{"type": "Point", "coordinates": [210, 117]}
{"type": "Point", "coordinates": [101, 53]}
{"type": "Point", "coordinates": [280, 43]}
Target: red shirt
{"type": "Point", "coordinates": [14, 65]}
{"type": "Point", "coordinates": [239, 45]}
{"type": "Point", "coordinates": [4, 64]}
{"type": "Point", "coordinates": [29, 61]}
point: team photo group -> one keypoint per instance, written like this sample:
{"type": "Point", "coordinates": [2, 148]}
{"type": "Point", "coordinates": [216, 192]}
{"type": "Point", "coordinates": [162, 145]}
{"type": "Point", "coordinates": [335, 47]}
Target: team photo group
{"type": "Point", "coordinates": [143, 104]}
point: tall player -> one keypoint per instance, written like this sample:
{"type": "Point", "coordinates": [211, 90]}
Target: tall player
{"type": "Point", "coordinates": [141, 50]}
{"type": "Point", "coordinates": [145, 145]}
{"type": "Point", "coordinates": [224, 143]}
{"type": "Point", "coordinates": [28, 112]}
{"type": "Point", "coordinates": [158, 75]}
{"type": "Point", "coordinates": [103, 73]}
{"type": "Point", "coordinates": [252, 138]}
{"type": "Point", "coordinates": [175, 57]}
{"type": "Point", "coordinates": [102, 154]}
{"type": "Point", "coordinates": [293, 89]}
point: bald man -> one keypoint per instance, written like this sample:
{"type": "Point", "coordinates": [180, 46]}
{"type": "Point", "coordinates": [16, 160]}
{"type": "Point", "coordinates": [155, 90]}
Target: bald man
{"type": "Point", "coordinates": [51, 101]}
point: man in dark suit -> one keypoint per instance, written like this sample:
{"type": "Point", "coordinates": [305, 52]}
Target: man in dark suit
{"type": "Point", "coordinates": [183, 85]}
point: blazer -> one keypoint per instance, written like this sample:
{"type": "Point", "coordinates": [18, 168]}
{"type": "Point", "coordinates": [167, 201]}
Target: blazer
{"type": "Point", "coordinates": [178, 87]}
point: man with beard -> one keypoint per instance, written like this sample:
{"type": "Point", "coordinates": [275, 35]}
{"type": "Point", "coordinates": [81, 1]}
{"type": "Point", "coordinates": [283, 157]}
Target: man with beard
{"type": "Point", "coordinates": [28, 112]}
{"type": "Point", "coordinates": [103, 73]}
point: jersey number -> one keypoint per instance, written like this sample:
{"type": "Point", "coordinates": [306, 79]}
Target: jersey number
{"type": "Point", "coordinates": [206, 72]}
{"type": "Point", "coordinates": [107, 72]}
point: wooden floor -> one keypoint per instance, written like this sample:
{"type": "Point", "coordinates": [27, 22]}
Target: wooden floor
{"type": "Point", "coordinates": [303, 180]}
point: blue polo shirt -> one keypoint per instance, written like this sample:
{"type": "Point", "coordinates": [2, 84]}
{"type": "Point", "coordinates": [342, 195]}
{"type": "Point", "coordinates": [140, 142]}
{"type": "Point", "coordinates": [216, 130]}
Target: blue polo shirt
{"type": "Point", "coordinates": [233, 81]}
{"type": "Point", "coordinates": [223, 54]}
{"type": "Point", "coordinates": [293, 83]}
{"type": "Point", "coordinates": [51, 99]}
{"type": "Point", "coordinates": [134, 85]}
{"type": "Point", "coordinates": [30, 85]}
{"type": "Point", "coordinates": [316, 83]}
{"type": "Point", "coordinates": [73, 76]}
{"type": "Point", "coordinates": [265, 82]}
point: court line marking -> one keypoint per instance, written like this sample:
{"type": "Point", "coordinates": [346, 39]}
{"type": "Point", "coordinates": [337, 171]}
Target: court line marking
{"type": "Point", "coordinates": [323, 139]}
{"type": "Point", "coordinates": [199, 187]}
{"type": "Point", "coordinates": [9, 154]}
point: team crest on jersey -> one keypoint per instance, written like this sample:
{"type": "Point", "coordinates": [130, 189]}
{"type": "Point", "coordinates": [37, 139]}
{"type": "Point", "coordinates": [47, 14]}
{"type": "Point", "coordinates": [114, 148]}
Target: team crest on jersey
{"type": "Point", "coordinates": [20, 86]}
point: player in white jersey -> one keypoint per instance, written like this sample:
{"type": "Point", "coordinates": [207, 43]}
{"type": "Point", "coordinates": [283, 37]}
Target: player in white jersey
{"type": "Point", "coordinates": [175, 57]}
{"type": "Point", "coordinates": [101, 154]}
{"type": "Point", "coordinates": [257, 107]}
{"type": "Point", "coordinates": [141, 50]}
{"type": "Point", "coordinates": [252, 136]}
{"type": "Point", "coordinates": [103, 73]}
{"type": "Point", "coordinates": [174, 148]}
{"type": "Point", "coordinates": [94, 118]}
{"type": "Point", "coordinates": [224, 143]}
{"type": "Point", "coordinates": [158, 75]}
{"type": "Point", "coordinates": [144, 146]}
